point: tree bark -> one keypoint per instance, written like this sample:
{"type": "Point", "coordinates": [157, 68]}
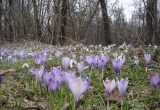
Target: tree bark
{"type": "Point", "coordinates": [63, 22]}
{"type": "Point", "coordinates": [1, 38]}
{"type": "Point", "coordinates": [11, 34]}
{"type": "Point", "coordinates": [105, 22]}
{"type": "Point", "coordinates": [151, 21]}
{"type": "Point", "coordinates": [56, 23]}
{"type": "Point", "coordinates": [38, 27]}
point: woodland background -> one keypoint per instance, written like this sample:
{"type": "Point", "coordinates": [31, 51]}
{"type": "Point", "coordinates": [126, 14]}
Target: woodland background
{"type": "Point", "coordinates": [79, 21]}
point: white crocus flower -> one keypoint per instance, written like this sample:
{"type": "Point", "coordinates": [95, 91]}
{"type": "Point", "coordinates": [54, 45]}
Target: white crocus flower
{"type": "Point", "coordinates": [115, 54]}
{"type": "Point", "coordinates": [45, 54]}
{"type": "Point", "coordinates": [25, 65]}
{"type": "Point", "coordinates": [136, 62]}
{"type": "Point", "coordinates": [72, 62]}
{"type": "Point", "coordinates": [126, 50]}
{"type": "Point", "coordinates": [155, 46]}
{"type": "Point", "coordinates": [50, 58]}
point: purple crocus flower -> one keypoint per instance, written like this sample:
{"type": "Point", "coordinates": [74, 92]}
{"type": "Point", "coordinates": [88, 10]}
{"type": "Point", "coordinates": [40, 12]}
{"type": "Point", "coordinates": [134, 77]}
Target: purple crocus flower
{"type": "Point", "coordinates": [109, 85]}
{"type": "Point", "coordinates": [101, 64]}
{"type": "Point", "coordinates": [34, 54]}
{"type": "Point", "coordinates": [57, 54]}
{"type": "Point", "coordinates": [0, 78]}
{"type": "Point", "coordinates": [102, 61]}
{"type": "Point", "coordinates": [15, 53]}
{"type": "Point", "coordinates": [80, 67]}
{"type": "Point", "coordinates": [55, 70]}
{"type": "Point", "coordinates": [52, 84]}
{"type": "Point", "coordinates": [81, 57]}
{"type": "Point", "coordinates": [69, 49]}
{"type": "Point", "coordinates": [122, 85]}
{"type": "Point", "coordinates": [95, 60]}
{"type": "Point", "coordinates": [73, 56]}
{"type": "Point", "coordinates": [3, 53]}
{"type": "Point", "coordinates": [154, 79]}
{"type": "Point", "coordinates": [104, 58]}
{"type": "Point", "coordinates": [147, 58]}
{"type": "Point", "coordinates": [129, 46]}
{"type": "Point", "coordinates": [89, 60]}
{"type": "Point", "coordinates": [41, 60]}
{"type": "Point", "coordinates": [9, 58]}
{"type": "Point", "coordinates": [78, 87]}
{"type": "Point", "coordinates": [117, 63]}
{"type": "Point", "coordinates": [65, 62]}
{"type": "Point", "coordinates": [38, 74]}
{"type": "Point", "coordinates": [21, 53]}
{"type": "Point", "coordinates": [84, 48]}
{"type": "Point", "coordinates": [69, 75]}
{"type": "Point", "coordinates": [135, 57]}
{"type": "Point", "coordinates": [47, 76]}
{"type": "Point", "coordinates": [46, 50]}
{"type": "Point", "coordinates": [122, 60]}
{"type": "Point", "coordinates": [58, 75]}
{"type": "Point", "coordinates": [25, 55]}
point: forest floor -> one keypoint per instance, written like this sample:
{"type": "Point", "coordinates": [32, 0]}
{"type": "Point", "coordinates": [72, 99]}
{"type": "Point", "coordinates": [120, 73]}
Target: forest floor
{"type": "Point", "coordinates": [19, 89]}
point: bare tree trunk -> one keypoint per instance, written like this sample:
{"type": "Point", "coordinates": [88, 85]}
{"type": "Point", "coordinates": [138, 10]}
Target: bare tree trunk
{"type": "Point", "coordinates": [23, 21]}
{"type": "Point", "coordinates": [64, 21]}
{"type": "Point", "coordinates": [56, 22]}
{"type": "Point", "coordinates": [38, 27]}
{"type": "Point", "coordinates": [1, 38]}
{"type": "Point", "coordinates": [105, 22]}
{"type": "Point", "coordinates": [151, 21]}
{"type": "Point", "coordinates": [11, 35]}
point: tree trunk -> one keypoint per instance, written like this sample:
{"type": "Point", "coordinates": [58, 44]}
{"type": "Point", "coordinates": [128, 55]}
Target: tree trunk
{"type": "Point", "coordinates": [1, 38]}
{"type": "Point", "coordinates": [38, 27]}
{"type": "Point", "coordinates": [11, 35]}
{"type": "Point", "coordinates": [56, 23]}
{"type": "Point", "coordinates": [105, 22]}
{"type": "Point", "coordinates": [63, 22]}
{"type": "Point", "coordinates": [151, 21]}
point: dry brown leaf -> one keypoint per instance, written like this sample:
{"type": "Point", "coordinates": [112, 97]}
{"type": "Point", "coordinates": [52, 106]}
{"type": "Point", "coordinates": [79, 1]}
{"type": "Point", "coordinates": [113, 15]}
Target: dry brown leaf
{"type": "Point", "coordinates": [9, 71]}
{"type": "Point", "coordinates": [114, 95]}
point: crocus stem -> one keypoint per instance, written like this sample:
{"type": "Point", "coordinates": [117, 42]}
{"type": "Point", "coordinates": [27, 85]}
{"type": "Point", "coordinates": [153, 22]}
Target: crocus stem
{"type": "Point", "coordinates": [58, 61]}
{"type": "Point", "coordinates": [90, 73]}
{"type": "Point", "coordinates": [121, 73]}
{"type": "Point", "coordinates": [40, 89]}
{"type": "Point", "coordinates": [61, 94]}
{"type": "Point", "coordinates": [102, 74]}
{"type": "Point", "coordinates": [122, 104]}
{"type": "Point", "coordinates": [108, 103]}
{"type": "Point", "coordinates": [8, 64]}
{"type": "Point", "coordinates": [146, 68]}
{"type": "Point", "coordinates": [75, 105]}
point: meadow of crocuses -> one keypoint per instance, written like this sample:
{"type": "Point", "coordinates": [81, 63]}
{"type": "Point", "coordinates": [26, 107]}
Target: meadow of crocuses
{"type": "Point", "coordinates": [80, 78]}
